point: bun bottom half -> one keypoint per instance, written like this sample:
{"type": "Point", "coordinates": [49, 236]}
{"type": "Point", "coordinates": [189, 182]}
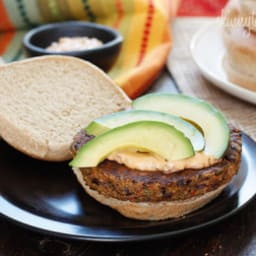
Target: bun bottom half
{"type": "Point", "coordinates": [150, 210]}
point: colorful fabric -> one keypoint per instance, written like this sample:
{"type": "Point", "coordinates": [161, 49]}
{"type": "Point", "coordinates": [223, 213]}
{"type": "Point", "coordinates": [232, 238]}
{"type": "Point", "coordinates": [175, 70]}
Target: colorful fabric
{"type": "Point", "coordinates": [144, 25]}
{"type": "Point", "coordinates": [201, 7]}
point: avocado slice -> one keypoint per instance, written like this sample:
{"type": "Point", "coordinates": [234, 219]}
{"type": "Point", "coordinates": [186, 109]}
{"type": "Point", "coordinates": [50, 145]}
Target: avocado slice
{"type": "Point", "coordinates": [103, 124]}
{"type": "Point", "coordinates": [209, 119]}
{"type": "Point", "coordinates": [146, 136]}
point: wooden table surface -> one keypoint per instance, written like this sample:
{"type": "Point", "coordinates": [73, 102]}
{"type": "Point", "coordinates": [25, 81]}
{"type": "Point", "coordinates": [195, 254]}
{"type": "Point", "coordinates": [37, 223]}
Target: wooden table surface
{"type": "Point", "coordinates": [234, 236]}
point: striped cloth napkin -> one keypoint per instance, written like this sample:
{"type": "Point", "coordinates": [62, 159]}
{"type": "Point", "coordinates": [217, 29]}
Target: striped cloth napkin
{"type": "Point", "coordinates": [144, 25]}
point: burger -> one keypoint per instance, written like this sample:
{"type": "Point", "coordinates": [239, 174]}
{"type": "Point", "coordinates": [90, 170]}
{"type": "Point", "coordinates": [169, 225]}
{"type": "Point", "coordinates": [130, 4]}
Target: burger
{"type": "Point", "coordinates": [167, 156]}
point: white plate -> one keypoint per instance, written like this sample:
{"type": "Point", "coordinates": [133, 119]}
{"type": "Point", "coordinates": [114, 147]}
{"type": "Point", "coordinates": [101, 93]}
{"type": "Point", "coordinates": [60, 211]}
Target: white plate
{"type": "Point", "coordinates": [208, 51]}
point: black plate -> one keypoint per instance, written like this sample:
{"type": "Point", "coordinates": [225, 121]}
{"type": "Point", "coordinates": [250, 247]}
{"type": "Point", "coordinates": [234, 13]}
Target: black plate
{"type": "Point", "coordinates": [46, 197]}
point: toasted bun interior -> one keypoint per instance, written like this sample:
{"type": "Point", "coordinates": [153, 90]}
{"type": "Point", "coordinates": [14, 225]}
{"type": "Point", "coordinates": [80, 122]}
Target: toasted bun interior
{"type": "Point", "coordinates": [148, 210]}
{"type": "Point", "coordinates": [46, 100]}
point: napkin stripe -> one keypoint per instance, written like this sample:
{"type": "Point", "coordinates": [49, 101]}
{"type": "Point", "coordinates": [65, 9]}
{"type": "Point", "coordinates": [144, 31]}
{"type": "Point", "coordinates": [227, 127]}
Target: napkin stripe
{"type": "Point", "coordinates": [131, 27]}
{"type": "Point", "coordinates": [23, 14]}
{"type": "Point", "coordinates": [54, 9]}
{"type": "Point", "coordinates": [120, 13]}
{"type": "Point", "coordinates": [5, 39]}
{"type": "Point", "coordinates": [77, 10]}
{"type": "Point", "coordinates": [99, 9]}
{"type": "Point", "coordinates": [15, 57]}
{"type": "Point", "coordinates": [45, 8]}
{"type": "Point", "coordinates": [5, 22]}
{"type": "Point", "coordinates": [32, 12]}
{"type": "Point", "coordinates": [88, 10]}
{"type": "Point", "coordinates": [64, 9]}
{"type": "Point", "coordinates": [146, 32]}
{"type": "Point", "coordinates": [125, 28]}
{"type": "Point", "coordinates": [14, 50]}
{"type": "Point", "coordinates": [14, 14]}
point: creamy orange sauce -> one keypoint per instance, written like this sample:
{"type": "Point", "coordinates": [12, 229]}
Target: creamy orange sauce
{"type": "Point", "coordinates": [152, 162]}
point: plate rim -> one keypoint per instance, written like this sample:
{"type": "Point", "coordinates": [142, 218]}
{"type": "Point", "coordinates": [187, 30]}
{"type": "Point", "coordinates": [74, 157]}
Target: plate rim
{"type": "Point", "coordinates": [227, 86]}
{"type": "Point", "coordinates": [129, 238]}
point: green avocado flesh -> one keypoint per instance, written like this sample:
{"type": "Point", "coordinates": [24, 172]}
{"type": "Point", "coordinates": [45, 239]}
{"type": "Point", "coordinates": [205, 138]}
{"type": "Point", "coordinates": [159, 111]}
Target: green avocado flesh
{"type": "Point", "coordinates": [146, 136]}
{"type": "Point", "coordinates": [210, 120]}
{"type": "Point", "coordinates": [110, 121]}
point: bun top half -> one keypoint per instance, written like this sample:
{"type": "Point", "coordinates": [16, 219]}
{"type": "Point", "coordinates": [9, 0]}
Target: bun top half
{"type": "Point", "coordinates": [46, 100]}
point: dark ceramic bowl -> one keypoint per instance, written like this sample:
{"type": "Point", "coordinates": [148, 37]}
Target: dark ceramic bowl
{"type": "Point", "coordinates": [38, 39]}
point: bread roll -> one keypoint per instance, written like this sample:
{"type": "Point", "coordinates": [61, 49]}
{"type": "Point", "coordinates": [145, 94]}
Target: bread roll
{"type": "Point", "coordinates": [240, 43]}
{"type": "Point", "coordinates": [240, 58]}
{"type": "Point", "coordinates": [46, 100]}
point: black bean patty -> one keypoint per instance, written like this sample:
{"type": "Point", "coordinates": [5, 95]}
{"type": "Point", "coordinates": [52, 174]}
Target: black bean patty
{"type": "Point", "coordinates": [118, 181]}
